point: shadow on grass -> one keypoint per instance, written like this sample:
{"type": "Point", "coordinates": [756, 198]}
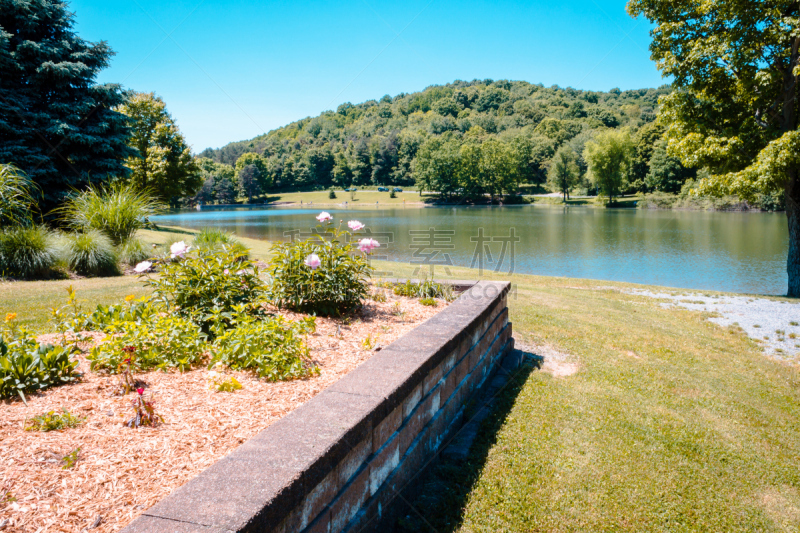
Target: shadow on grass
{"type": "Point", "coordinates": [441, 494]}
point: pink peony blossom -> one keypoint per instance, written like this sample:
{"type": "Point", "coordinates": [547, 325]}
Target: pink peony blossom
{"type": "Point", "coordinates": [143, 267]}
{"type": "Point", "coordinates": [140, 391]}
{"type": "Point", "coordinates": [313, 262]}
{"type": "Point", "coordinates": [367, 245]}
{"type": "Point", "coordinates": [355, 225]}
{"type": "Point", "coordinates": [324, 217]}
{"type": "Point", "coordinates": [178, 249]}
{"type": "Point", "coordinates": [226, 271]}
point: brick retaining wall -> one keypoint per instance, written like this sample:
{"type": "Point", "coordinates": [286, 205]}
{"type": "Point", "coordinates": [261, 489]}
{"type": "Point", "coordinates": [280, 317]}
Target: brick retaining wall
{"type": "Point", "coordinates": [337, 462]}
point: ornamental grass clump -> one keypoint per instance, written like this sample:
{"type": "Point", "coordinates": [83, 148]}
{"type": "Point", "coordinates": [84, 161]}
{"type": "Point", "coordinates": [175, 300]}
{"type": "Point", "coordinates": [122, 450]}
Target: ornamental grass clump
{"type": "Point", "coordinates": [28, 252]}
{"type": "Point", "coordinates": [215, 240]}
{"type": "Point", "coordinates": [117, 210]}
{"type": "Point", "coordinates": [90, 254]}
{"type": "Point", "coordinates": [326, 274]}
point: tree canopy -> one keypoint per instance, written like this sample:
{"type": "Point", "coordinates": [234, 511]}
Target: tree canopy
{"type": "Point", "coordinates": [162, 162]}
{"type": "Point", "coordinates": [391, 141]}
{"type": "Point", "coordinates": [736, 66]}
{"type": "Point", "coordinates": [56, 124]}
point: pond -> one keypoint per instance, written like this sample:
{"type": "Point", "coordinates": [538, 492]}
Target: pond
{"type": "Point", "coordinates": [736, 252]}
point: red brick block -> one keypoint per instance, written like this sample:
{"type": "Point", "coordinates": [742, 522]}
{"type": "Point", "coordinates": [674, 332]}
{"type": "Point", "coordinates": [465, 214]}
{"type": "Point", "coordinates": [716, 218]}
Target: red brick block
{"type": "Point", "coordinates": [349, 466]}
{"type": "Point", "coordinates": [345, 507]}
{"type": "Point", "coordinates": [386, 428]}
{"type": "Point", "coordinates": [383, 464]}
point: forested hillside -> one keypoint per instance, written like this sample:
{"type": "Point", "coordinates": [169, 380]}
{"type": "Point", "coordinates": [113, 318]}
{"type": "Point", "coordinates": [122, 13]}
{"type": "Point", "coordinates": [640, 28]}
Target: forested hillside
{"type": "Point", "coordinates": [510, 129]}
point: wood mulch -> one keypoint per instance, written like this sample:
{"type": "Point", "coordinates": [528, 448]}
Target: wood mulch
{"type": "Point", "coordinates": [120, 472]}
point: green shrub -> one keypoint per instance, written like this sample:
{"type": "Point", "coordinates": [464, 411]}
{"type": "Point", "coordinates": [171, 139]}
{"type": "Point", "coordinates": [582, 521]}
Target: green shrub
{"type": "Point", "coordinates": [331, 195]}
{"type": "Point", "coordinates": [53, 421]}
{"type": "Point", "coordinates": [164, 341]}
{"type": "Point", "coordinates": [430, 302]}
{"type": "Point", "coordinates": [424, 289]}
{"type": "Point", "coordinates": [338, 286]}
{"type": "Point", "coordinates": [27, 366]}
{"type": "Point", "coordinates": [215, 240]}
{"type": "Point", "coordinates": [392, 194]}
{"type": "Point", "coordinates": [17, 196]}
{"type": "Point", "coordinates": [271, 346]}
{"type": "Point", "coordinates": [132, 251]}
{"type": "Point", "coordinates": [118, 211]}
{"type": "Point", "coordinates": [203, 286]}
{"type": "Point", "coordinates": [90, 254]}
{"type": "Point", "coordinates": [27, 252]}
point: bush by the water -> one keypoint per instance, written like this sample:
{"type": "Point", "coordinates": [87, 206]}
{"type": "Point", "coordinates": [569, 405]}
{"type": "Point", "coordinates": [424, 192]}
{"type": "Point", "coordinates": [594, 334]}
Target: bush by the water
{"type": "Point", "coordinates": [206, 284]}
{"type": "Point", "coordinates": [27, 251]}
{"type": "Point", "coordinates": [90, 254]}
{"type": "Point", "coordinates": [27, 366]}
{"type": "Point", "coordinates": [132, 251]}
{"type": "Point", "coordinates": [324, 274]}
{"type": "Point", "coordinates": [214, 240]}
{"type": "Point", "coordinates": [118, 211]}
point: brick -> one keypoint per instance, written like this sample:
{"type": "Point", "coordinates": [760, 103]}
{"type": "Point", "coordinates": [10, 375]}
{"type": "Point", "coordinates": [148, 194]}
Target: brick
{"type": "Point", "coordinates": [411, 402]}
{"type": "Point", "coordinates": [347, 504]}
{"type": "Point", "coordinates": [432, 379]}
{"type": "Point", "coordinates": [386, 428]}
{"type": "Point", "coordinates": [354, 460]}
{"type": "Point", "coordinates": [383, 464]}
{"type": "Point", "coordinates": [318, 498]}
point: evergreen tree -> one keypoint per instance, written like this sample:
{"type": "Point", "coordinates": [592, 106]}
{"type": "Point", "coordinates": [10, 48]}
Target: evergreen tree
{"type": "Point", "coordinates": [56, 124]}
{"type": "Point", "coordinates": [163, 162]}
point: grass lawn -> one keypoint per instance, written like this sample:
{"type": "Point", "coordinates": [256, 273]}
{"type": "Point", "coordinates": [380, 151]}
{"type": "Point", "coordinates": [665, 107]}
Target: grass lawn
{"type": "Point", "coordinates": [362, 198]}
{"type": "Point", "coordinates": [671, 423]}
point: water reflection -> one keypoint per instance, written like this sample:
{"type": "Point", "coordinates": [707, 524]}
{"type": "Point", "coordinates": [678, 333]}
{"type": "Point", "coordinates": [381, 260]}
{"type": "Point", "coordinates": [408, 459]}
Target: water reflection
{"type": "Point", "coordinates": [739, 252]}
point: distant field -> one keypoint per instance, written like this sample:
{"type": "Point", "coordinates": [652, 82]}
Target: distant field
{"type": "Point", "coordinates": [361, 198]}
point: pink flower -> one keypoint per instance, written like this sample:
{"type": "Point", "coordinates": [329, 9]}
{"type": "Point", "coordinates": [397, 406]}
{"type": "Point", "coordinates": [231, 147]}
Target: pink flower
{"type": "Point", "coordinates": [367, 245]}
{"type": "Point", "coordinates": [226, 271]}
{"type": "Point", "coordinates": [355, 225]}
{"type": "Point", "coordinates": [313, 262]}
{"type": "Point", "coordinates": [324, 217]}
{"type": "Point", "coordinates": [139, 391]}
{"type": "Point", "coordinates": [143, 267]}
{"type": "Point", "coordinates": [178, 249]}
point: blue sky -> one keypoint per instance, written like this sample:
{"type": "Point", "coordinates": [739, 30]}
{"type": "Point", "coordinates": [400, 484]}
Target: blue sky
{"type": "Point", "coordinates": [230, 70]}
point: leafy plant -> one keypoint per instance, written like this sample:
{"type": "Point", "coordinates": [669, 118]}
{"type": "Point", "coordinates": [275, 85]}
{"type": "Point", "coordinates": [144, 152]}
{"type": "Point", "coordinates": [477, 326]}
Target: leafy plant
{"type": "Point", "coordinates": [132, 251]}
{"type": "Point", "coordinates": [397, 310]}
{"type": "Point", "coordinates": [203, 286]}
{"type": "Point", "coordinates": [163, 341]}
{"type": "Point", "coordinates": [144, 412]}
{"type": "Point", "coordinates": [118, 210]}
{"type": "Point", "coordinates": [27, 251]}
{"type": "Point", "coordinates": [369, 342]}
{"type": "Point", "coordinates": [331, 194]}
{"type": "Point", "coordinates": [71, 459]}
{"type": "Point", "coordinates": [272, 346]}
{"type": "Point", "coordinates": [430, 302]}
{"type": "Point", "coordinates": [378, 296]}
{"type": "Point", "coordinates": [423, 289]}
{"type": "Point", "coordinates": [90, 254]}
{"type": "Point", "coordinates": [17, 196]}
{"type": "Point", "coordinates": [27, 366]}
{"type": "Point", "coordinates": [53, 421]}
{"type": "Point", "coordinates": [324, 274]}
{"type": "Point", "coordinates": [222, 383]}
{"type": "Point", "coordinates": [392, 194]}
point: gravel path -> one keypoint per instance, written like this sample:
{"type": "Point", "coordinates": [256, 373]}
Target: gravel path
{"type": "Point", "coordinates": [775, 323]}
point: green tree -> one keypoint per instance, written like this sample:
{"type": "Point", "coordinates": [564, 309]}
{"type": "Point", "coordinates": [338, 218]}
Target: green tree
{"type": "Point", "coordinates": [645, 141]}
{"type": "Point", "coordinates": [437, 166]}
{"type": "Point", "coordinates": [564, 172]}
{"type": "Point", "coordinates": [736, 65]}
{"type": "Point", "coordinates": [56, 123]}
{"type": "Point", "coordinates": [261, 174]}
{"type": "Point", "coordinates": [162, 162]}
{"type": "Point", "coordinates": [608, 156]}
{"type": "Point", "coordinates": [249, 182]}
{"type": "Point", "coordinates": [666, 173]}
{"type": "Point", "coordinates": [498, 168]}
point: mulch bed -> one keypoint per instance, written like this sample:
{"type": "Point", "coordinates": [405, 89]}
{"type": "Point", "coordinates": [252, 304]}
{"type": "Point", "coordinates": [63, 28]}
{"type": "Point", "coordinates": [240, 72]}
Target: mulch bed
{"type": "Point", "coordinates": [120, 471]}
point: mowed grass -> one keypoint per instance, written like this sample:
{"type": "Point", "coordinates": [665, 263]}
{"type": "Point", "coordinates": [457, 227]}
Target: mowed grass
{"type": "Point", "coordinates": [671, 423]}
{"type": "Point", "coordinates": [361, 198]}
{"type": "Point", "coordinates": [34, 300]}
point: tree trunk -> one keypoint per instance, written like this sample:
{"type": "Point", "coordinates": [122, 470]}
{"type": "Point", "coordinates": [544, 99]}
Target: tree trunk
{"type": "Point", "coordinates": [793, 217]}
